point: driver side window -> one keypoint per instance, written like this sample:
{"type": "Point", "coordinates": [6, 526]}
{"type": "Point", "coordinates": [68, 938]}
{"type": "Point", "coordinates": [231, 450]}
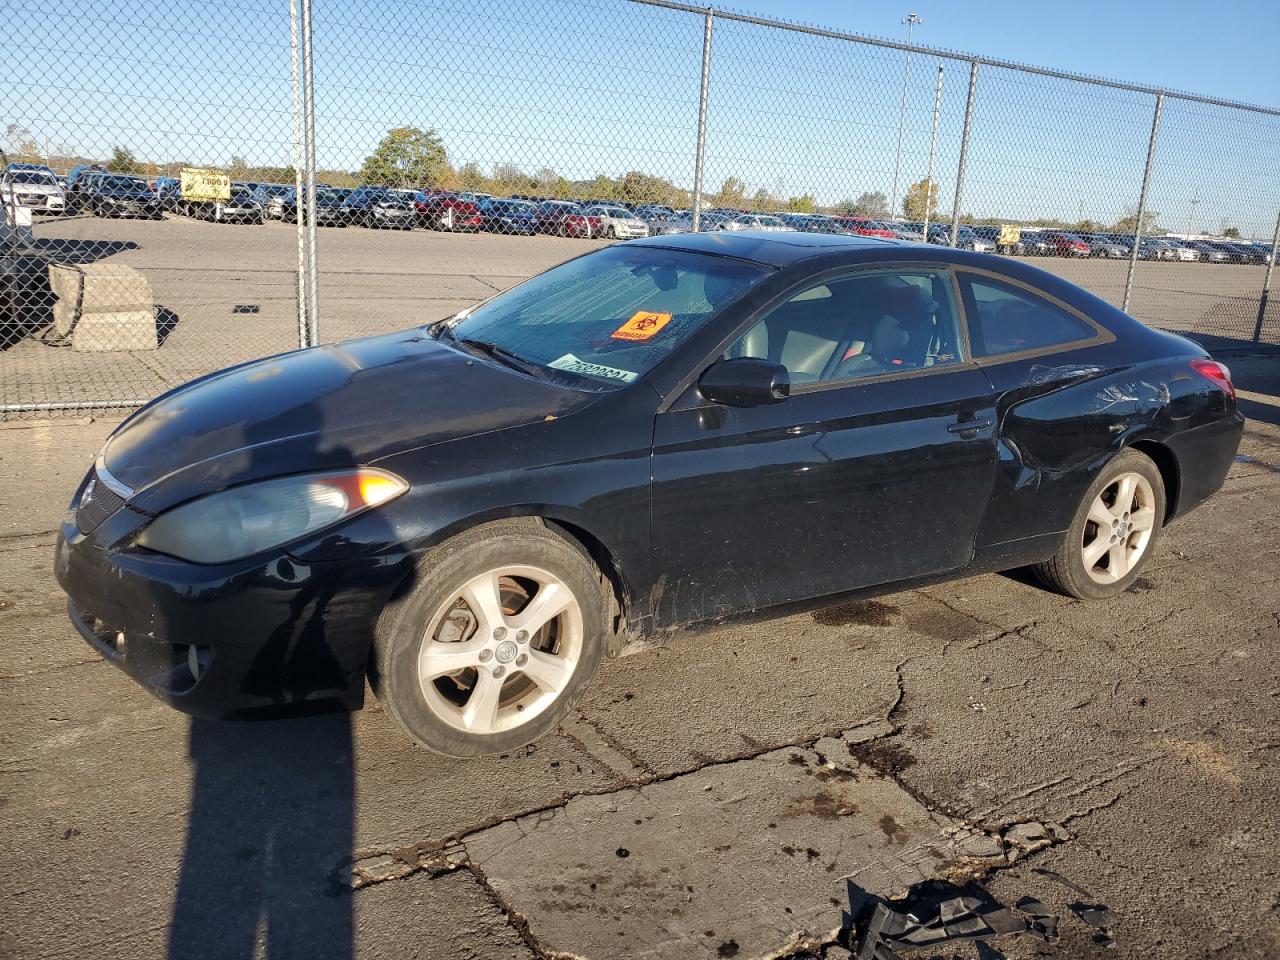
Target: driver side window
{"type": "Point", "coordinates": [858, 325]}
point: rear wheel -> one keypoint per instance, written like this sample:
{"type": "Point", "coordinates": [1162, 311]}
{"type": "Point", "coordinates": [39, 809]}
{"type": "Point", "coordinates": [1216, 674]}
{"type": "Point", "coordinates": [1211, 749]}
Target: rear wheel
{"type": "Point", "coordinates": [1114, 531]}
{"type": "Point", "coordinates": [495, 641]}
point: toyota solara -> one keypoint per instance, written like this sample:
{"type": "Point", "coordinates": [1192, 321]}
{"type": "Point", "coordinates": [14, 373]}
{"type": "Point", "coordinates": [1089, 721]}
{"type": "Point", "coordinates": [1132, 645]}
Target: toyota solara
{"type": "Point", "coordinates": [657, 435]}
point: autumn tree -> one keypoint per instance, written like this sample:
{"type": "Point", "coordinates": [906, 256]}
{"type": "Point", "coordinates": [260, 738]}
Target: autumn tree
{"type": "Point", "coordinates": [22, 141]}
{"type": "Point", "coordinates": [471, 179]}
{"type": "Point", "coordinates": [802, 204]}
{"type": "Point", "coordinates": [921, 197]}
{"type": "Point", "coordinates": [1232, 232]}
{"type": "Point", "coordinates": [1129, 222]}
{"type": "Point", "coordinates": [406, 157]}
{"type": "Point", "coordinates": [733, 193]}
{"type": "Point", "coordinates": [123, 161]}
{"type": "Point", "coordinates": [872, 204]}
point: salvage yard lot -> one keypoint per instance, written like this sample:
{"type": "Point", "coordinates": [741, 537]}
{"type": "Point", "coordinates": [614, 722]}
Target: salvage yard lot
{"type": "Point", "coordinates": [226, 293]}
{"type": "Point", "coordinates": [709, 798]}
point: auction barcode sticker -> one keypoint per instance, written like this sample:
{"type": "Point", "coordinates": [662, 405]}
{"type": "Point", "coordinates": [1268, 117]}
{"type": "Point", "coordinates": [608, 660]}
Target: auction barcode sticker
{"type": "Point", "coordinates": [574, 365]}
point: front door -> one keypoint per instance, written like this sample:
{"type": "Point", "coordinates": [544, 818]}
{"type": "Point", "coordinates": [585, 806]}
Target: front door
{"type": "Point", "coordinates": [878, 467]}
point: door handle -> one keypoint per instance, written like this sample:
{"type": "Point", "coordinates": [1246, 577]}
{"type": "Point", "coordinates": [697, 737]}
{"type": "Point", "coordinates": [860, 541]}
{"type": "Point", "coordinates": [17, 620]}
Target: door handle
{"type": "Point", "coordinates": [968, 428]}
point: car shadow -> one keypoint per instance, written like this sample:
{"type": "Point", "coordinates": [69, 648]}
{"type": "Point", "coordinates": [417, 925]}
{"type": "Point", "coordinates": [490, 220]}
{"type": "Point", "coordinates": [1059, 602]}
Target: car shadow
{"type": "Point", "coordinates": [271, 817]}
{"type": "Point", "coordinates": [270, 831]}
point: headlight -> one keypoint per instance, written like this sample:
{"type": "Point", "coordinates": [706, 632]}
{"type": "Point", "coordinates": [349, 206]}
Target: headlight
{"type": "Point", "coordinates": [242, 521]}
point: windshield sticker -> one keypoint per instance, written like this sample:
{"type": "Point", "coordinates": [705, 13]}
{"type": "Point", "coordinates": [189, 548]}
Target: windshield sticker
{"type": "Point", "coordinates": [573, 365]}
{"type": "Point", "coordinates": [643, 325]}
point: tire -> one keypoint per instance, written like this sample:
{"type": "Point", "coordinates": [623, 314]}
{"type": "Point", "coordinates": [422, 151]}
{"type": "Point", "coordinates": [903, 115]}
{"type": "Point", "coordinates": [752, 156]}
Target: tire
{"type": "Point", "coordinates": [420, 629]}
{"type": "Point", "coordinates": [1072, 570]}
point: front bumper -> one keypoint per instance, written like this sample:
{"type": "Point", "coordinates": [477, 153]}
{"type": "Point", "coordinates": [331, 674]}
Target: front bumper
{"type": "Point", "coordinates": [266, 632]}
{"type": "Point", "coordinates": [131, 208]}
{"type": "Point", "coordinates": [397, 217]}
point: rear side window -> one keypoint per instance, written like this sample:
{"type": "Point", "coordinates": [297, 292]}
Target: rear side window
{"type": "Point", "coordinates": [1004, 318]}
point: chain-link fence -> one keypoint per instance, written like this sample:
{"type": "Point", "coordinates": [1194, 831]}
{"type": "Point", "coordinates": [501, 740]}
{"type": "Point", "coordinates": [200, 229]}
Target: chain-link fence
{"type": "Point", "coordinates": [498, 137]}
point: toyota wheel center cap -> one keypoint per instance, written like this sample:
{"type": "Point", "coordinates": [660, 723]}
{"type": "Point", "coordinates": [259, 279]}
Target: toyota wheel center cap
{"type": "Point", "coordinates": [506, 651]}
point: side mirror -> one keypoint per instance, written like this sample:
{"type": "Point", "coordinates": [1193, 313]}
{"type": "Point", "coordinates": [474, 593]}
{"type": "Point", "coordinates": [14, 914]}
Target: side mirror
{"type": "Point", "coordinates": [745, 382]}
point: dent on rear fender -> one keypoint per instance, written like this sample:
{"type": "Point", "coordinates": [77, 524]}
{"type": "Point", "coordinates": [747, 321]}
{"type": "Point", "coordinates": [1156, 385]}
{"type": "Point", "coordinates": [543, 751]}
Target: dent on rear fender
{"type": "Point", "coordinates": [1082, 417]}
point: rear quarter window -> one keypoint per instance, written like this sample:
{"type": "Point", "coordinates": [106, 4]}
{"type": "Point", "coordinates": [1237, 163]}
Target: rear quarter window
{"type": "Point", "coordinates": [1008, 319]}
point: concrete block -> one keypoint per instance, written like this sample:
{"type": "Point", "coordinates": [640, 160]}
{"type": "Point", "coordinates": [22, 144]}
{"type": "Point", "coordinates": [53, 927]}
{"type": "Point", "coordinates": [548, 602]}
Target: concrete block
{"type": "Point", "coordinates": [112, 285]}
{"type": "Point", "coordinates": [116, 330]}
{"type": "Point", "coordinates": [103, 306]}
{"type": "Point", "coordinates": [64, 316]}
{"type": "Point", "coordinates": [64, 281]}
{"type": "Point", "coordinates": [99, 284]}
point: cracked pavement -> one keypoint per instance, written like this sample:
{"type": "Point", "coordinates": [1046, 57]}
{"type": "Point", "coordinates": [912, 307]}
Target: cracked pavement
{"type": "Point", "coordinates": [709, 797]}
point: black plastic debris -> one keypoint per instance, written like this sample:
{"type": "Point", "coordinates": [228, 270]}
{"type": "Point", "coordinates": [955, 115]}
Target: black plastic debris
{"type": "Point", "coordinates": [936, 912]}
{"type": "Point", "coordinates": [246, 308]}
{"type": "Point", "coordinates": [1088, 909]}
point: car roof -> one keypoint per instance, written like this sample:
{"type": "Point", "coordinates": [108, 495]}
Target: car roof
{"type": "Point", "coordinates": [768, 247]}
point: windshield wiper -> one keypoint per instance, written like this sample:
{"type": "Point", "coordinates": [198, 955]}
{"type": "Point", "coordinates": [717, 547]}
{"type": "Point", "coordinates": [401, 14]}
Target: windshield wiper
{"type": "Point", "coordinates": [503, 355]}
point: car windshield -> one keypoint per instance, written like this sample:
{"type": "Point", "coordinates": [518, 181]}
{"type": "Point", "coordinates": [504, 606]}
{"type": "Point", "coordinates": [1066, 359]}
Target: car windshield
{"type": "Point", "coordinates": [275, 190]}
{"type": "Point", "coordinates": [606, 318]}
{"type": "Point", "coordinates": [770, 222]}
{"type": "Point", "coordinates": [31, 176]}
{"type": "Point", "coordinates": [615, 212]}
{"type": "Point", "coordinates": [122, 183]}
{"type": "Point", "coordinates": [332, 194]}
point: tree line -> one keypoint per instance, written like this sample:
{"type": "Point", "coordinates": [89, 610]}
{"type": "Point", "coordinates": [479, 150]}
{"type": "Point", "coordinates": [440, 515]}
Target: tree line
{"type": "Point", "coordinates": [413, 158]}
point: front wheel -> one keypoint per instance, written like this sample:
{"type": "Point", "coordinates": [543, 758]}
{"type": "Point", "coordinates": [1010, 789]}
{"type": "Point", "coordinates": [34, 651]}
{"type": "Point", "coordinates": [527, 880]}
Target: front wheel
{"type": "Point", "coordinates": [493, 642]}
{"type": "Point", "coordinates": [1114, 531]}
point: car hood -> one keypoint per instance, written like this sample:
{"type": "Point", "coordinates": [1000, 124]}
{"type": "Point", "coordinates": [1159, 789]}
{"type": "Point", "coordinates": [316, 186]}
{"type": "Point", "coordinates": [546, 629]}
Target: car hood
{"type": "Point", "coordinates": [336, 406]}
{"type": "Point", "coordinates": [48, 188]}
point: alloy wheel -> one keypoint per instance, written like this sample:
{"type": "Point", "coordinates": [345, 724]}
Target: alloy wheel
{"type": "Point", "coordinates": [502, 650]}
{"type": "Point", "coordinates": [1118, 528]}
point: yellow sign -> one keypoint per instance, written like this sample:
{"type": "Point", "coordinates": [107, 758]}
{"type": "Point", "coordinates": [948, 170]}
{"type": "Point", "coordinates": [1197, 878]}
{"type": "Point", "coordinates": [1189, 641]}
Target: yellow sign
{"type": "Point", "coordinates": [200, 184]}
{"type": "Point", "coordinates": [642, 325]}
{"type": "Point", "coordinates": [1009, 234]}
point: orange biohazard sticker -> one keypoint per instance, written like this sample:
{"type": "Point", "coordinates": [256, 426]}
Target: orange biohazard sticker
{"type": "Point", "coordinates": [642, 325]}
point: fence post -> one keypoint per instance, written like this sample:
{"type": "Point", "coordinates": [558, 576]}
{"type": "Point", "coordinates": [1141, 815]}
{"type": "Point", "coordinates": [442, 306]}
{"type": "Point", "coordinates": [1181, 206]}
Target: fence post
{"type": "Point", "coordinates": [702, 119]}
{"type": "Point", "coordinates": [933, 155]}
{"type": "Point", "coordinates": [1142, 203]}
{"type": "Point", "coordinates": [964, 151]}
{"type": "Point", "coordinates": [1266, 284]}
{"type": "Point", "coordinates": [309, 139]}
{"type": "Point", "coordinates": [300, 293]}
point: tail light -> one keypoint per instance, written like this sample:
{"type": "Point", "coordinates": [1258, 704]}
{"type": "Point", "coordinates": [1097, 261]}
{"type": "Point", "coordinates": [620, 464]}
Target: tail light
{"type": "Point", "coordinates": [1216, 373]}
{"type": "Point", "coordinates": [420, 206]}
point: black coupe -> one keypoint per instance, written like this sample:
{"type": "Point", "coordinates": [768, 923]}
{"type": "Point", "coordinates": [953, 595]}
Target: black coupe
{"type": "Point", "coordinates": [659, 434]}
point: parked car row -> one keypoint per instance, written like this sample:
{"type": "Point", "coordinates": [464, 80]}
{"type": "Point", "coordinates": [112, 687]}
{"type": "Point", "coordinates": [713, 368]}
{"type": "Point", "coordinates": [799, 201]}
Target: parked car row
{"type": "Point", "coordinates": [92, 189]}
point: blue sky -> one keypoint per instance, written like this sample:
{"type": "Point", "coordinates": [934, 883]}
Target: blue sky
{"type": "Point", "coordinates": [1222, 49]}
{"type": "Point", "coordinates": [606, 86]}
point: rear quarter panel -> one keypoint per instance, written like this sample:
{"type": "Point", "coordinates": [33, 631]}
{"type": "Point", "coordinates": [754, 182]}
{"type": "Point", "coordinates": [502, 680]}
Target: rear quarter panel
{"type": "Point", "coordinates": [1063, 417]}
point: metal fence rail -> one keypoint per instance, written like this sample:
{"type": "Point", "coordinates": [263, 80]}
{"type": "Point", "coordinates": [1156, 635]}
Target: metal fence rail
{"type": "Point", "coordinates": [642, 103]}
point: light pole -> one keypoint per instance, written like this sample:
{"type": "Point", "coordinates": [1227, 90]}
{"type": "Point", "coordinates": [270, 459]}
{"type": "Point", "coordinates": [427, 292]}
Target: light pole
{"type": "Point", "coordinates": [1191, 212]}
{"type": "Point", "coordinates": [910, 20]}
